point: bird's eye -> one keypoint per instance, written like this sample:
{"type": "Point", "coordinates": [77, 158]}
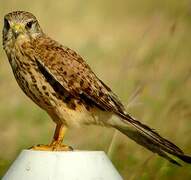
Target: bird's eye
{"type": "Point", "coordinates": [29, 24]}
{"type": "Point", "coordinates": [6, 24]}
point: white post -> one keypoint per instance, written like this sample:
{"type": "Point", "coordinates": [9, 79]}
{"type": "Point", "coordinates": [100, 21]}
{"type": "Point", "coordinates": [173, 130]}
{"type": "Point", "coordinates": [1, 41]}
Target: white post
{"type": "Point", "coordinates": [72, 165]}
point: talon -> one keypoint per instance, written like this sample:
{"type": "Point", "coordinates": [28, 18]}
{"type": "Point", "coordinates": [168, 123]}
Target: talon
{"type": "Point", "coordinates": [51, 147]}
{"type": "Point", "coordinates": [59, 147]}
{"type": "Point", "coordinates": [71, 148]}
{"type": "Point", "coordinates": [56, 144]}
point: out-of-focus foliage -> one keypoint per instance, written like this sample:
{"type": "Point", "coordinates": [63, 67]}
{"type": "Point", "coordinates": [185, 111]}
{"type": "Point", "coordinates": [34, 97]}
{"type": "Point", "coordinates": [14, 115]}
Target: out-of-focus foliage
{"type": "Point", "coordinates": [141, 49]}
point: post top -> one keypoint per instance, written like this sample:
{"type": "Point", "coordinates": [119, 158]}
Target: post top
{"type": "Point", "coordinates": [61, 165]}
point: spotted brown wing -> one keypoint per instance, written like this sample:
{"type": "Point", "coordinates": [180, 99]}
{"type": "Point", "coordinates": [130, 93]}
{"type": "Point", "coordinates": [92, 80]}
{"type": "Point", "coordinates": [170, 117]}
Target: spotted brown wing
{"type": "Point", "coordinates": [69, 70]}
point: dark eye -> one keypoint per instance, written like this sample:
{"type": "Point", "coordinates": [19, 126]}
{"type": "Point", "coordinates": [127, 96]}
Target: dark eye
{"type": "Point", "coordinates": [6, 24]}
{"type": "Point", "coordinates": [29, 24]}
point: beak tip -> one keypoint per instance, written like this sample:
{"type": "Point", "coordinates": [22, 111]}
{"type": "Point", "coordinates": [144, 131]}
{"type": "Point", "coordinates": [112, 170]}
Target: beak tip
{"type": "Point", "coordinates": [15, 33]}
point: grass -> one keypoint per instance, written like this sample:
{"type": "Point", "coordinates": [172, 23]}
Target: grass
{"type": "Point", "coordinates": [139, 48]}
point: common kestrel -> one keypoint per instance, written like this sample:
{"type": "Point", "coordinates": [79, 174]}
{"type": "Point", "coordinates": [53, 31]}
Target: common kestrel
{"type": "Point", "coordinates": [58, 80]}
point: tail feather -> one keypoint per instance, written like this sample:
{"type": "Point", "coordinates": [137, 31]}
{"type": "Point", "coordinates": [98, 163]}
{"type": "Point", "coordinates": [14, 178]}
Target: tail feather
{"type": "Point", "coordinates": [150, 139]}
{"type": "Point", "coordinates": [184, 158]}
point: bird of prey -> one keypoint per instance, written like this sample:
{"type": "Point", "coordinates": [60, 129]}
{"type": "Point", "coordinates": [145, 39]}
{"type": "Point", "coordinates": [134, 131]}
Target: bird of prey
{"type": "Point", "coordinates": [58, 80]}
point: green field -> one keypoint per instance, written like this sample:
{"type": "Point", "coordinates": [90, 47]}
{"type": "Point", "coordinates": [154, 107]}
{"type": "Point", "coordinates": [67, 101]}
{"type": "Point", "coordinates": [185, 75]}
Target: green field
{"type": "Point", "coordinates": [141, 49]}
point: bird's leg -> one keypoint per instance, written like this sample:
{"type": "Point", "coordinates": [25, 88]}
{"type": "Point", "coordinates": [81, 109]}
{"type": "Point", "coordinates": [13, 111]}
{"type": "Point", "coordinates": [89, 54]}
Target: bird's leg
{"type": "Point", "coordinates": [56, 144]}
{"type": "Point", "coordinates": [58, 138]}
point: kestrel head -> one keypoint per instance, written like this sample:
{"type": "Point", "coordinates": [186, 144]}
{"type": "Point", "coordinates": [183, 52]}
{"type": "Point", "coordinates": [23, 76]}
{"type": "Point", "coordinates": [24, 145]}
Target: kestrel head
{"type": "Point", "coordinates": [20, 24]}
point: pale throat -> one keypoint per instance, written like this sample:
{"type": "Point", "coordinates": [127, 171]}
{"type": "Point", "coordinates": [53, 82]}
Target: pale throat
{"type": "Point", "coordinates": [13, 46]}
{"type": "Point", "coordinates": [22, 38]}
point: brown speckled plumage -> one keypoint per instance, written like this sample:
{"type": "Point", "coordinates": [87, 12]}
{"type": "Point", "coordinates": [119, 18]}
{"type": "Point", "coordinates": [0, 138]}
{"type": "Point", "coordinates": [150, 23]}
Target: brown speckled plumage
{"type": "Point", "coordinates": [58, 80]}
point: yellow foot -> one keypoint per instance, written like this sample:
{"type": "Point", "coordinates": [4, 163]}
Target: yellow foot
{"type": "Point", "coordinates": [52, 147]}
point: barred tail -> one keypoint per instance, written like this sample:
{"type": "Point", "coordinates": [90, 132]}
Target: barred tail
{"type": "Point", "coordinates": [150, 139]}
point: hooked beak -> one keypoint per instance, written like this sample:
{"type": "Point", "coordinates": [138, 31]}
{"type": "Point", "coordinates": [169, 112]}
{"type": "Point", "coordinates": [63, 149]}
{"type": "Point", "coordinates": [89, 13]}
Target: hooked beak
{"type": "Point", "coordinates": [17, 29]}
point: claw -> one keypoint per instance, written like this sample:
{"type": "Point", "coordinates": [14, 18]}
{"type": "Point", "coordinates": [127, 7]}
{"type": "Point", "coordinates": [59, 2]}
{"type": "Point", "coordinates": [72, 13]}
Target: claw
{"type": "Point", "coordinates": [51, 147]}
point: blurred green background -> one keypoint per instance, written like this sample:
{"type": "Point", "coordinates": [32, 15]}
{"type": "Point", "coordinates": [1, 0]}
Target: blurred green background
{"type": "Point", "coordinates": [141, 49]}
